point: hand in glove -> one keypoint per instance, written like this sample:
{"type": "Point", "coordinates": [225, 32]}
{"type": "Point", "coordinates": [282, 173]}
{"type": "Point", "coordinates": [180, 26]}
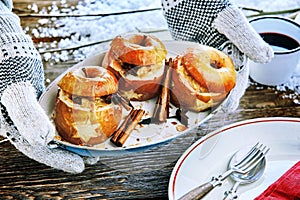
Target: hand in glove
{"type": "Point", "coordinates": [212, 23]}
{"type": "Point", "coordinates": [23, 121]}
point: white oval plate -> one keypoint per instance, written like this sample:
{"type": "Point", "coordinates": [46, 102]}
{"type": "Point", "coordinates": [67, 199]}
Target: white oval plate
{"type": "Point", "coordinates": [143, 136]}
{"type": "Point", "coordinates": [203, 160]}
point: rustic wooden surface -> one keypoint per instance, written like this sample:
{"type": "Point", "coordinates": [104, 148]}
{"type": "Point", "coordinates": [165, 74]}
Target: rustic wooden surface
{"type": "Point", "coordinates": [135, 176]}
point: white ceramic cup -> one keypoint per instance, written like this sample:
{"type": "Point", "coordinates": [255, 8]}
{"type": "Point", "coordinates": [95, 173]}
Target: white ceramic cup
{"type": "Point", "coordinates": [283, 35]}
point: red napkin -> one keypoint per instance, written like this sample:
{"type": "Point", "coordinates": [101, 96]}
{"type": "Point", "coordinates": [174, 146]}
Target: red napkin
{"type": "Point", "coordinates": [287, 187]}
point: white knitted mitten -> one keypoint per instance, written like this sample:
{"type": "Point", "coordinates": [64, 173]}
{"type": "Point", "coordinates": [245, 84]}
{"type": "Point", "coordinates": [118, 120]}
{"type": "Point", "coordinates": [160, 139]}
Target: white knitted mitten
{"type": "Point", "coordinates": [8, 4]}
{"type": "Point", "coordinates": [23, 121]}
{"type": "Point", "coordinates": [21, 104]}
{"type": "Point", "coordinates": [32, 129]}
{"type": "Point", "coordinates": [242, 81]}
{"type": "Point", "coordinates": [233, 24]}
{"type": "Point", "coordinates": [212, 23]}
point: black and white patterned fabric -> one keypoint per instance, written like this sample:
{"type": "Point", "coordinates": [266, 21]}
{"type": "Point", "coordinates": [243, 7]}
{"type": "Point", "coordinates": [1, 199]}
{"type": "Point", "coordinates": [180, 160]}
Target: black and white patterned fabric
{"type": "Point", "coordinates": [22, 120]}
{"type": "Point", "coordinates": [192, 20]}
{"type": "Point", "coordinates": [21, 69]}
{"type": "Point", "coordinates": [19, 59]}
{"type": "Point", "coordinates": [8, 4]}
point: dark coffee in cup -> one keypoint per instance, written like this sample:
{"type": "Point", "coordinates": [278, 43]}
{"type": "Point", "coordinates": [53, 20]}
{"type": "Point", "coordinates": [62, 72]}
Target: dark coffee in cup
{"type": "Point", "coordinates": [279, 42]}
{"type": "Point", "coordinates": [283, 35]}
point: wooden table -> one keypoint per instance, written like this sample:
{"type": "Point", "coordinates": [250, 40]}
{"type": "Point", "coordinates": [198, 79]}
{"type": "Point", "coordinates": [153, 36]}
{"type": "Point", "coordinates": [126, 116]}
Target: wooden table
{"type": "Point", "coordinates": [136, 176]}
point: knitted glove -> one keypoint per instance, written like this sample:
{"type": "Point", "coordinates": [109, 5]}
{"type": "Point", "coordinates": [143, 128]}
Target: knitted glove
{"type": "Point", "coordinates": [23, 121]}
{"type": "Point", "coordinates": [215, 23]}
{"type": "Point", "coordinates": [56, 158]}
{"type": "Point", "coordinates": [232, 102]}
{"type": "Point", "coordinates": [8, 4]}
{"type": "Point", "coordinates": [20, 102]}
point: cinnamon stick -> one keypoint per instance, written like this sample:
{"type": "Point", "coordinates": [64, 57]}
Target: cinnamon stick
{"type": "Point", "coordinates": [128, 125]}
{"type": "Point", "coordinates": [117, 98]}
{"type": "Point", "coordinates": [161, 110]}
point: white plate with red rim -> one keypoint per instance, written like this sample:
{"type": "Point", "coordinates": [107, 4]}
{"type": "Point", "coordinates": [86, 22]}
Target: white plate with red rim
{"type": "Point", "coordinates": [209, 156]}
{"type": "Point", "coordinates": [143, 136]}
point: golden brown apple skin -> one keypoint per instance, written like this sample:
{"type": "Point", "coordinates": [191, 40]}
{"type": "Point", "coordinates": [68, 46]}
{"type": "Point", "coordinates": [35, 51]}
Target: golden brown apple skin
{"type": "Point", "coordinates": [85, 125]}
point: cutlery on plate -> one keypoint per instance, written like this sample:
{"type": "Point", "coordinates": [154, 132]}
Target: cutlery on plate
{"type": "Point", "coordinates": [250, 177]}
{"type": "Point", "coordinates": [249, 161]}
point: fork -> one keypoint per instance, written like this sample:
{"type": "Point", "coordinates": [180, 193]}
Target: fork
{"type": "Point", "coordinates": [248, 162]}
